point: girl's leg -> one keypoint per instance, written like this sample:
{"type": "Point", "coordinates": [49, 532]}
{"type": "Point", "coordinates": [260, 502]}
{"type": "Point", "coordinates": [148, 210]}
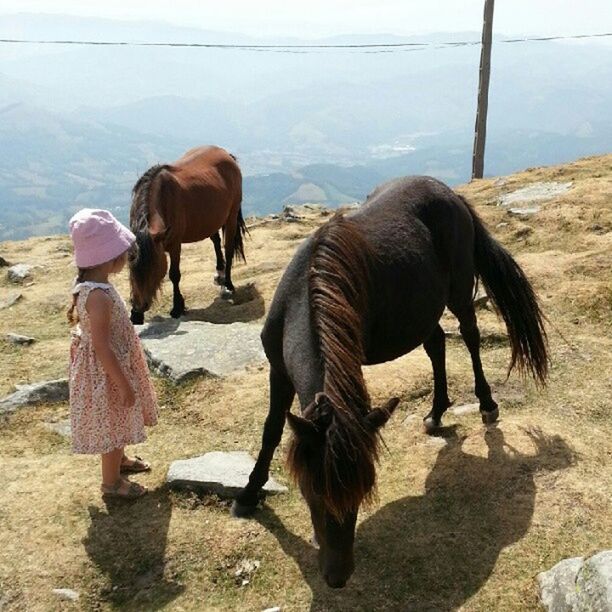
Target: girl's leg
{"type": "Point", "coordinates": [112, 481]}
{"type": "Point", "coordinates": [111, 467]}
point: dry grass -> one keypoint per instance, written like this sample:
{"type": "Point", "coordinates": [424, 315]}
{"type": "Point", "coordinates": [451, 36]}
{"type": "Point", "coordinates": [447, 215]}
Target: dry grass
{"type": "Point", "coordinates": [468, 523]}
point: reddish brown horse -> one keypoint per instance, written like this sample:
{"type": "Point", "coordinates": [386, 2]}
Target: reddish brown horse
{"type": "Point", "coordinates": [186, 201]}
{"type": "Point", "coordinates": [367, 288]}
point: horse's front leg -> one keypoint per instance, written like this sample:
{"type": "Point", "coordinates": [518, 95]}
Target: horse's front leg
{"type": "Point", "coordinates": [282, 393]}
{"type": "Point", "coordinates": [220, 266]}
{"type": "Point", "coordinates": [178, 303]}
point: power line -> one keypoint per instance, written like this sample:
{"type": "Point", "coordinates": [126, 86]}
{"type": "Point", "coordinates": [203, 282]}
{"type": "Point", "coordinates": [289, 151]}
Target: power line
{"type": "Point", "coordinates": [301, 48]}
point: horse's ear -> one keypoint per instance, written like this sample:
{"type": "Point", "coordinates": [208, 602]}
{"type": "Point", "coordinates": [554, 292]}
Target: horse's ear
{"type": "Point", "coordinates": [379, 416]}
{"type": "Point", "coordinates": [302, 428]}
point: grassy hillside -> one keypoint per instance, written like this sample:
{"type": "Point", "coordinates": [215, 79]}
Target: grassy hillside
{"type": "Point", "coordinates": [467, 519]}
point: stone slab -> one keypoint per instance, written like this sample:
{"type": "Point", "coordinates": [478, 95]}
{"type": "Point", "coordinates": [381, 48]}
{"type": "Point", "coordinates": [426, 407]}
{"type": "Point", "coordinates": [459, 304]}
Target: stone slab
{"type": "Point", "coordinates": [524, 212]}
{"type": "Point", "coordinates": [536, 192]}
{"type": "Point", "coordinates": [181, 349]}
{"type": "Point", "coordinates": [50, 391]}
{"type": "Point", "coordinates": [10, 300]}
{"type": "Point", "coordinates": [222, 473]}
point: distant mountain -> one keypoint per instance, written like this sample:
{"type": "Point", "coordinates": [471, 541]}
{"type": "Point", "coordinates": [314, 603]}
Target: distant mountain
{"type": "Point", "coordinates": [78, 125]}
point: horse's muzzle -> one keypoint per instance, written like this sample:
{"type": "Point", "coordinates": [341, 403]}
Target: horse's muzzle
{"type": "Point", "coordinates": [137, 317]}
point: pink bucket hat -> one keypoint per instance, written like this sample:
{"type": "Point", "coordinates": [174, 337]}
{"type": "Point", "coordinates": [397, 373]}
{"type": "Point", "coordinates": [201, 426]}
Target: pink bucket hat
{"type": "Point", "coordinates": [98, 237]}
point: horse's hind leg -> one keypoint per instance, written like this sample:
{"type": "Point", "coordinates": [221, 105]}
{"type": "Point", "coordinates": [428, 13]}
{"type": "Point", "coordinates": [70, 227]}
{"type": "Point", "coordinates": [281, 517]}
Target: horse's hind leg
{"type": "Point", "coordinates": [178, 303]}
{"type": "Point", "coordinates": [471, 336]}
{"type": "Point", "coordinates": [282, 393]}
{"type": "Point", "coordinates": [436, 350]}
{"type": "Point", "coordinates": [231, 228]}
{"type": "Point", "coordinates": [220, 267]}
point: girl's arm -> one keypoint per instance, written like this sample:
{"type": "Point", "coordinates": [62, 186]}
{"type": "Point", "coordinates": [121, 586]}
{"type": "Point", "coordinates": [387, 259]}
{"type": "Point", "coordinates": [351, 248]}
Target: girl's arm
{"type": "Point", "coordinates": [99, 308]}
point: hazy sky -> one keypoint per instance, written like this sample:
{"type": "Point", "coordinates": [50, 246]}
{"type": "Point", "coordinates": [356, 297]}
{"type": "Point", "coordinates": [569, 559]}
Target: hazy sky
{"type": "Point", "coordinates": [325, 17]}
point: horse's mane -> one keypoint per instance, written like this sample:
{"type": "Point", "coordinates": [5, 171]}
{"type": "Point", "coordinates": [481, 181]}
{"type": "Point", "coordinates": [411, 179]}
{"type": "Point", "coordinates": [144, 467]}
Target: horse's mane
{"type": "Point", "coordinates": [139, 214]}
{"type": "Point", "coordinates": [139, 223]}
{"type": "Point", "coordinates": [338, 286]}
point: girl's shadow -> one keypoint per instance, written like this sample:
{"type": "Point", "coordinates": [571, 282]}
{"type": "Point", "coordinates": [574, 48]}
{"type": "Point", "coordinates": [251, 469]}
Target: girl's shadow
{"type": "Point", "coordinates": [128, 544]}
{"type": "Point", "coordinates": [433, 552]}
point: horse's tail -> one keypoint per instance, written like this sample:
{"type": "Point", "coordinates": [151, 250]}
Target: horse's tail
{"type": "Point", "coordinates": [515, 299]}
{"type": "Point", "coordinates": [241, 232]}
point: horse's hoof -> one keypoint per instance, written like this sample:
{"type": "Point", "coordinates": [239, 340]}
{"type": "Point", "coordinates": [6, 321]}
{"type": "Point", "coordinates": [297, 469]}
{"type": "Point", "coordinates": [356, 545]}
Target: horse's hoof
{"type": "Point", "coordinates": [430, 425]}
{"type": "Point", "coordinates": [137, 318]}
{"type": "Point", "coordinates": [226, 294]}
{"type": "Point", "coordinates": [489, 417]}
{"type": "Point", "coordinates": [177, 313]}
{"type": "Point", "coordinates": [239, 511]}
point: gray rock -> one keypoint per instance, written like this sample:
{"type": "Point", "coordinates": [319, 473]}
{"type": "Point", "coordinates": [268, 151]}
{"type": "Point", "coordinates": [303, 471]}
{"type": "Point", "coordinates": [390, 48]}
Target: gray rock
{"type": "Point", "coordinates": [274, 609]}
{"type": "Point", "coordinates": [19, 272]}
{"type": "Point", "coordinates": [594, 584]}
{"type": "Point", "coordinates": [465, 409]}
{"type": "Point", "coordinates": [67, 594]}
{"type": "Point", "coordinates": [578, 585]}
{"type": "Point", "coordinates": [50, 391]}
{"type": "Point", "coordinates": [524, 212]}
{"type": "Point", "coordinates": [557, 585]}
{"type": "Point", "coordinates": [19, 339]}
{"type": "Point", "coordinates": [10, 300]}
{"type": "Point", "coordinates": [182, 349]}
{"type": "Point", "coordinates": [61, 428]}
{"type": "Point", "coordinates": [222, 473]}
{"type": "Point", "coordinates": [536, 192]}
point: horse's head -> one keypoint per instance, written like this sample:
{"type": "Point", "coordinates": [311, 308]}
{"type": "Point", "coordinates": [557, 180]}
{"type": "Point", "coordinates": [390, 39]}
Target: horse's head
{"type": "Point", "coordinates": [148, 266]}
{"type": "Point", "coordinates": [333, 456]}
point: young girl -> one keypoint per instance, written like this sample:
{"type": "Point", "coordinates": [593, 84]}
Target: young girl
{"type": "Point", "coordinates": [111, 397]}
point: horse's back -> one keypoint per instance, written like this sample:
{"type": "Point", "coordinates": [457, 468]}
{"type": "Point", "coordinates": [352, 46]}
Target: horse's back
{"type": "Point", "coordinates": [208, 166]}
{"type": "Point", "coordinates": [204, 190]}
{"type": "Point", "coordinates": [419, 229]}
{"type": "Point", "coordinates": [204, 156]}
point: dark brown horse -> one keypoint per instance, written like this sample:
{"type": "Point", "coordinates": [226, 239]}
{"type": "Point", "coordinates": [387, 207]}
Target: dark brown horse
{"type": "Point", "coordinates": [186, 201]}
{"type": "Point", "coordinates": [364, 289]}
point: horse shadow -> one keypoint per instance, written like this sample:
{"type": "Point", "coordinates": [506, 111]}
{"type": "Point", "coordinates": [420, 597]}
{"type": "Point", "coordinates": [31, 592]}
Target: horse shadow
{"type": "Point", "coordinates": [246, 304]}
{"type": "Point", "coordinates": [128, 544]}
{"type": "Point", "coordinates": [433, 552]}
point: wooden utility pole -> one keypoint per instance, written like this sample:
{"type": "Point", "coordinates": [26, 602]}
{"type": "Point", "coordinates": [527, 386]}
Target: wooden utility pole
{"type": "Point", "coordinates": [483, 92]}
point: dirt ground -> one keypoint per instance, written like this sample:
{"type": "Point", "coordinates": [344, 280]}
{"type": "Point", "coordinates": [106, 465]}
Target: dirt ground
{"type": "Point", "coordinates": [463, 520]}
